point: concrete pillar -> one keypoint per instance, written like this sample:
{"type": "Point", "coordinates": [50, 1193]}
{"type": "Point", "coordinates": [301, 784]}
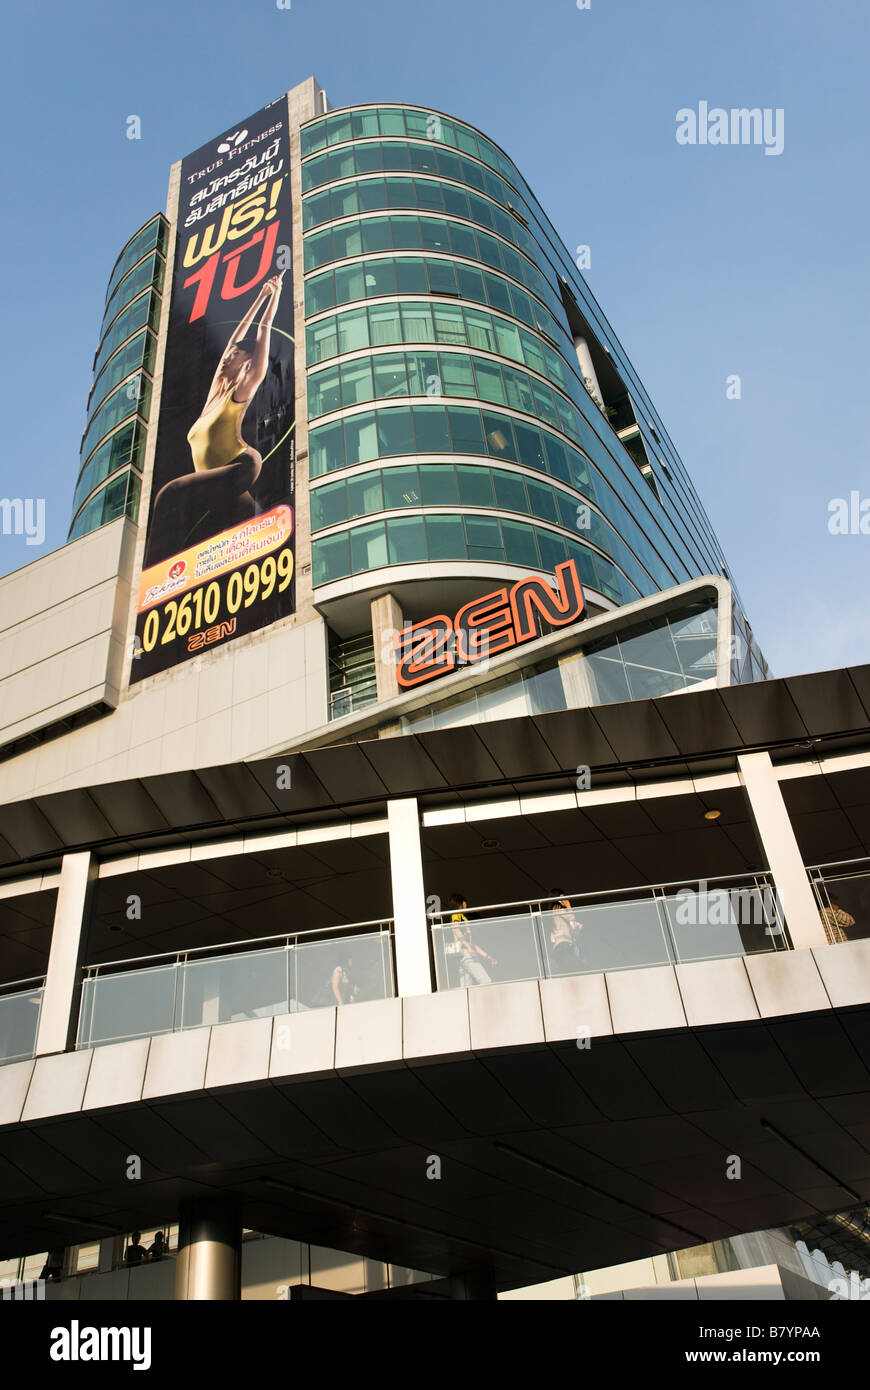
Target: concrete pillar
{"type": "Point", "coordinates": [780, 846]}
{"type": "Point", "coordinates": [587, 369]}
{"type": "Point", "coordinates": [208, 1266]}
{"type": "Point", "coordinates": [578, 681]}
{"type": "Point", "coordinates": [58, 1018]}
{"type": "Point", "coordinates": [413, 968]}
{"type": "Point", "coordinates": [386, 619]}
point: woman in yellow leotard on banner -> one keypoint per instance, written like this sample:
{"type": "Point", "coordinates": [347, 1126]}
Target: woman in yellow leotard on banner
{"type": "Point", "coordinates": [217, 494]}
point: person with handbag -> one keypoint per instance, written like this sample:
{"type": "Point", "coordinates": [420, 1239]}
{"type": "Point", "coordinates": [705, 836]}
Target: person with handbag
{"type": "Point", "coordinates": [564, 936]}
{"type": "Point", "coordinates": [471, 969]}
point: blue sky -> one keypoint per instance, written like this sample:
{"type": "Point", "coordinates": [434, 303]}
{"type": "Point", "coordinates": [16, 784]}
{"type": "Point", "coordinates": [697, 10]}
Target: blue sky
{"type": "Point", "coordinates": [708, 260]}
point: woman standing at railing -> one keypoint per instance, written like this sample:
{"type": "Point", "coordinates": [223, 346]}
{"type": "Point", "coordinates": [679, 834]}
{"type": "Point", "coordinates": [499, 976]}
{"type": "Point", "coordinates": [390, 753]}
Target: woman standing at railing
{"type": "Point", "coordinates": [471, 972]}
{"type": "Point", "coordinates": [564, 936]}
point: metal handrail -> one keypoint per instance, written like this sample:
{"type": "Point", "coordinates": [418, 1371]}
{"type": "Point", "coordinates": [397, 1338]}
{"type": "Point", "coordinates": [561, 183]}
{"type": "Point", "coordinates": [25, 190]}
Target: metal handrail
{"type": "Point", "coordinates": [537, 904]}
{"type": "Point", "coordinates": [385, 924]}
{"type": "Point", "coordinates": [9, 986]}
{"type": "Point", "coordinates": [837, 864]}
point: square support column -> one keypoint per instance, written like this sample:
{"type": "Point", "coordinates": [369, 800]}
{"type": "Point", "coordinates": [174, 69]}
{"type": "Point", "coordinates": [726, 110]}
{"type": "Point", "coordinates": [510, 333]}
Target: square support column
{"type": "Point", "coordinates": [386, 620]}
{"type": "Point", "coordinates": [776, 833]}
{"type": "Point", "coordinates": [59, 1014]}
{"type": "Point", "coordinates": [413, 968]}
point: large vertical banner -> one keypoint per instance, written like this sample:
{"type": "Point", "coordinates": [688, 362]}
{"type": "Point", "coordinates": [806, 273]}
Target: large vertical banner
{"type": "Point", "coordinates": [219, 558]}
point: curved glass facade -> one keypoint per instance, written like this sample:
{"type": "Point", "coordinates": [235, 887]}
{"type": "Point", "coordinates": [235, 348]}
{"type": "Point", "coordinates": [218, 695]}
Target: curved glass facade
{"type": "Point", "coordinates": [431, 237]}
{"type": "Point", "coordinates": [469, 486]}
{"type": "Point", "coordinates": [112, 445]}
{"type": "Point", "coordinates": [414, 540]}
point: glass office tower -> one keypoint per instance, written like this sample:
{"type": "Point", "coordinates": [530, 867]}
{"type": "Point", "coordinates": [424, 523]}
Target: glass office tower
{"type": "Point", "coordinates": [470, 417]}
{"type": "Point", "coordinates": [468, 403]}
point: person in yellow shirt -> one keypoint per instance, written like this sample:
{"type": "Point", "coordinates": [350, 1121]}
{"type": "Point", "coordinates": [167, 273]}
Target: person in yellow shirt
{"type": "Point", "coordinates": [217, 494]}
{"type": "Point", "coordinates": [471, 971]}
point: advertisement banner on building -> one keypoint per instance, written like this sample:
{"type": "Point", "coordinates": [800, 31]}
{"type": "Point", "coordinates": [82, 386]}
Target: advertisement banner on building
{"type": "Point", "coordinates": [219, 548]}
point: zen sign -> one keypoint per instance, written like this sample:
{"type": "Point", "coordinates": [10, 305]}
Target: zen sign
{"type": "Point", "coordinates": [487, 626]}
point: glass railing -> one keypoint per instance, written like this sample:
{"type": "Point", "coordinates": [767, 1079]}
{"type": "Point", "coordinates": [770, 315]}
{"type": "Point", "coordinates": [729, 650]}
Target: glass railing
{"type": "Point", "coordinates": [842, 892]}
{"type": "Point", "coordinates": [192, 989]}
{"type": "Point", "coordinates": [19, 1019]}
{"type": "Point", "coordinates": [665, 924]}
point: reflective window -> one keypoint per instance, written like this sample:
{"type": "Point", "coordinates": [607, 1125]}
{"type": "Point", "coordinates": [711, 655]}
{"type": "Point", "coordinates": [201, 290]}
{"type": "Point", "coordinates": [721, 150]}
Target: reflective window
{"type": "Point", "coordinates": [368, 547]}
{"type": "Point", "coordinates": [407, 540]}
{"type": "Point", "coordinates": [330, 559]}
{"type": "Point", "coordinates": [435, 374]}
{"type": "Point", "coordinates": [148, 272]}
{"type": "Point", "coordinates": [118, 498]}
{"type": "Point", "coordinates": [446, 538]}
{"type": "Point", "coordinates": [395, 191]}
{"type": "Point", "coordinates": [418, 539]}
{"type": "Point", "coordinates": [433, 234]}
{"type": "Point", "coordinates": [131, 398]}
{"type": "Point", "coordinates": [144, 310]}
{"type": "Point", "coordinates": [152, 236]}
{"type": "Point", "coordinates": [122, 448]}
{"type": "Point", "coordinates": [138, 352]}
{"type": "Point", "coordinates": [438, 485]}
{"type": "Point", "coordinates": [400, 123]}
{"type": "Point", "coordinates": [416, 275]}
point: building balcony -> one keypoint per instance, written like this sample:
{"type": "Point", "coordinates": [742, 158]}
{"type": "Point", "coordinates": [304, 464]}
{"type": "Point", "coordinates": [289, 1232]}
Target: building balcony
{"type": "Point", "coordinates": [191, 989]}
{"type": "Point", "coordinates": [661, 924]}
{"type": "Point", "coordinates": [211, 909]}
{"type": "Point", "coordinates": [20, 1005]}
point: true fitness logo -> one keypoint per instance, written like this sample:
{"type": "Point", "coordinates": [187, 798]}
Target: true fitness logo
{"type": "Point", "coordinates": [232, 142]}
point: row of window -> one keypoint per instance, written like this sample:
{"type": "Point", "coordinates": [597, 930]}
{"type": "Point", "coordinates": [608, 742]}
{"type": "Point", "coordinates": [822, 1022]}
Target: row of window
{"type": "Point", "coordinates": [372, 279]}
{"type": "Point", "coordinates": [407, 233]}
{"type": "Point", "coordinates": [392, 374]}
{"type": "Point", "coordinates": [425, 195]}
{"type": "Point", "coordinates": [138, 352]}
{"type": "Point", "coordinates": [380, 156]}
{"type": "Point", "coordinates": [440, 485]}
{"type": "Point", "coordinates": [144, 310]}
{"type": "Point", "coordinates": [130, 398]}
{"type": "Point", "coordinates": [437, 429]}
{"type": "Point", "coordinates": [153, 236]}
{"type": "Point", "coordinates": [415, 321]}
{"type": "Point", "coordinates": [433, 485]}
{"type": "Point", "coordinates": [147, 273]}
{"type": "Point", "coordinates": [126, 446]}
{"type": "Point", "coordinates": [120, 497]}
{"type": "Point", "coordinates": [421, 540]}
{"type": "Point", "coordinates": [396, 123]}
